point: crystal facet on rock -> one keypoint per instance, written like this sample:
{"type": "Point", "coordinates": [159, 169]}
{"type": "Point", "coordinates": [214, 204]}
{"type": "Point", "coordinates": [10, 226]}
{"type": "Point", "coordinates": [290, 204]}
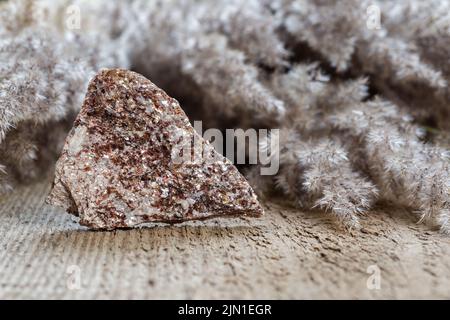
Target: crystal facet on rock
{"type": "Point", "coordinates": [120, 166]}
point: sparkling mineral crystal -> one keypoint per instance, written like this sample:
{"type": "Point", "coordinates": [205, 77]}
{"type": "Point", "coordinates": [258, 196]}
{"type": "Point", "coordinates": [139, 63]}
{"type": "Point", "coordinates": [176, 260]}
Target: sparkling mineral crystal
{"type": "Point", "coordinates": [124, 162]}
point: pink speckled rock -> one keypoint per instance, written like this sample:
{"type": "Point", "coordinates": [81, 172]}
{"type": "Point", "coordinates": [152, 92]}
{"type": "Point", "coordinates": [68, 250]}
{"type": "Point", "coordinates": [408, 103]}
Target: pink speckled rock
{"type": "Point", "coordinates": [120, 164]}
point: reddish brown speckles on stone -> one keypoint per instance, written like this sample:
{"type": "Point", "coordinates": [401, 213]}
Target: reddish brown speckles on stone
{"type": "Point", "coordinates": [116, 169]}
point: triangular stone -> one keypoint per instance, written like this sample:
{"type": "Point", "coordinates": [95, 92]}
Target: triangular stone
{"type": "Point", "coordinates": [120, 166]}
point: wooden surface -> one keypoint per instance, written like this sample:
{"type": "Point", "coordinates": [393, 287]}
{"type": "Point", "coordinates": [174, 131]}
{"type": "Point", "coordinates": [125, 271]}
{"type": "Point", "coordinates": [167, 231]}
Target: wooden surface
{"type": "Point", "coordinates": [286, 254]}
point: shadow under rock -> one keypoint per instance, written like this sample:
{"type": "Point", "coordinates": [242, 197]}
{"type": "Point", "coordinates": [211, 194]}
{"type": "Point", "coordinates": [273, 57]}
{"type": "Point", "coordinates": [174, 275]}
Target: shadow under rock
{"type": "Point", "coordinates": [214, 227]}
{"type": "Point", "coordinates": [148, 240]}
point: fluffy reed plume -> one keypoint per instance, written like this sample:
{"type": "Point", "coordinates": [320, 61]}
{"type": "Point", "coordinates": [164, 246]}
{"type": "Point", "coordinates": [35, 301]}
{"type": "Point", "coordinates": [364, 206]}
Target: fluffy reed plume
{"type": "Point", "coordinates": [363, 108]}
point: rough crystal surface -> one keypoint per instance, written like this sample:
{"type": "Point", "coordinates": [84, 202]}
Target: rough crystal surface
{"type": "Point", "coordinates": [119, 166]}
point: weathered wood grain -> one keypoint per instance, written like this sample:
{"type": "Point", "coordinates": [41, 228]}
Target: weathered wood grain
{"type": "Point", "coordinates": [286, 254]}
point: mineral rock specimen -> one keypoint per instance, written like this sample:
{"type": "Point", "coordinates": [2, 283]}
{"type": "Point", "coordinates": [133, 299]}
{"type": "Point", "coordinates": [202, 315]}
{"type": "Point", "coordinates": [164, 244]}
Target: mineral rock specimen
{"type": "Point", "coordinates": [127, 161]}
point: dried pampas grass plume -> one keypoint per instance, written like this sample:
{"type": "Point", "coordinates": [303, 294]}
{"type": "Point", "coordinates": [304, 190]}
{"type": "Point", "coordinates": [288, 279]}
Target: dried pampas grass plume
{"type": "Point", "coordinates": [363, 112]}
